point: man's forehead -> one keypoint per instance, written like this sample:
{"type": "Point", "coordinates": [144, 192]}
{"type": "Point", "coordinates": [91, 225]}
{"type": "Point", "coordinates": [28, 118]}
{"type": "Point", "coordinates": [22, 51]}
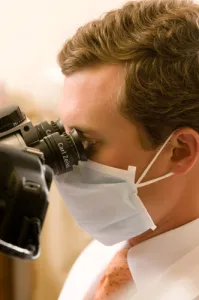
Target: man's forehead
{"type": "Point", "coordinates": [90, 96]}
{"type": "Point", "coordinates": [101, 82]}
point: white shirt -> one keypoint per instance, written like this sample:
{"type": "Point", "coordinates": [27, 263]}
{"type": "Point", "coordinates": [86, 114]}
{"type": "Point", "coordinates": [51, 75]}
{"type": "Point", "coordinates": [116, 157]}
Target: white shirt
{"type": "Point", "coordinates": [147, 261]}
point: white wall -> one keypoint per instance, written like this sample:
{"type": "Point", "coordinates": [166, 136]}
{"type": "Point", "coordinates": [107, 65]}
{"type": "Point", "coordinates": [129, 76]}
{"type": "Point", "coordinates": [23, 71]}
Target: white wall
{"type": "Point", "coordinates": [31, 34]}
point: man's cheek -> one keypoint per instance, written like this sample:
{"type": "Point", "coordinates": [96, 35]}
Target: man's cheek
{"type": "Point", "coordinates": [110, 157]}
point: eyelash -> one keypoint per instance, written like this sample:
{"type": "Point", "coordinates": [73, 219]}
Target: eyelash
{"type": "Point", "coordinates": [90, 146]}
{"type": "Point", "coordinates": [89, 143]}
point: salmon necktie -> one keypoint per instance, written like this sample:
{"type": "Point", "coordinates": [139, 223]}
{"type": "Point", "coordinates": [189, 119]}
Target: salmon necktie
{"type": "Point", "coordinates": [116, 275]}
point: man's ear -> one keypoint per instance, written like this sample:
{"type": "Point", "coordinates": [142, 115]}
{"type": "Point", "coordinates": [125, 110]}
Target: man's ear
{"type": "Point", "coordinates": [185, 144]}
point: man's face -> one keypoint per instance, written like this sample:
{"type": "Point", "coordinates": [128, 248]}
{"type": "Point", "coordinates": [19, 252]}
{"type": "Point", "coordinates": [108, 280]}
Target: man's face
{"type": "Point", "coordinates": [90, 105]}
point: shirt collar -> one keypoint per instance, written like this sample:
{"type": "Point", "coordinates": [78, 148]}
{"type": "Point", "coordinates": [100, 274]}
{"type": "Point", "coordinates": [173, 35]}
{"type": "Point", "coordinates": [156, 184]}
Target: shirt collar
{"type": "Point", "coordinates": [149, 259]}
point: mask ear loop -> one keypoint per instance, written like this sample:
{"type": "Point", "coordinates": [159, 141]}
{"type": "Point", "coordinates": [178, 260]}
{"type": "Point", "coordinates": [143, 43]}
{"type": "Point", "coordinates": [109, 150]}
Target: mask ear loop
{"type": "Point", "coordinates": [138, 184]}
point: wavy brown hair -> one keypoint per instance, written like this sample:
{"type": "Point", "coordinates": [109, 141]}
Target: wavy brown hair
{"type": "Point", "coordinates": [157, 41]}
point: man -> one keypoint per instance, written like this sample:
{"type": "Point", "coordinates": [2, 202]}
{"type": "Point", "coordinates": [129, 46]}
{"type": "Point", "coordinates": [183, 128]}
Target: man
{"type": "Point", "coordinates": [132, 89]}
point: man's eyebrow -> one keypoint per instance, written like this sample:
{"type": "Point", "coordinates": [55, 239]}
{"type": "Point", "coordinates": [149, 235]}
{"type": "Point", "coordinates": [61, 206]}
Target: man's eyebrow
{"type": "Point", "coordinates": [84, 130]}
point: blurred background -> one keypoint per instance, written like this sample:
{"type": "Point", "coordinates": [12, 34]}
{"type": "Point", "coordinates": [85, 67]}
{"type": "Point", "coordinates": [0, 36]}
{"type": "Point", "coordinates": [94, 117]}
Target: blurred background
{"type": "Point", "coordinates": [31, 35]}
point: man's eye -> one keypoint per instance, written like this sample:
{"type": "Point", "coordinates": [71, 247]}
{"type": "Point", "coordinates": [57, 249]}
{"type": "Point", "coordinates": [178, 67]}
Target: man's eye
{"type": "Point", "coordinates": [89, 143]}
{"type": "Point", "coordinates": [90, 146]}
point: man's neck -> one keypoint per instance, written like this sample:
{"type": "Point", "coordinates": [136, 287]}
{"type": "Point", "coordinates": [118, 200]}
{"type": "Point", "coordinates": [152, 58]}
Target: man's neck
{"type": "Point", "coordinates": [185, 212]}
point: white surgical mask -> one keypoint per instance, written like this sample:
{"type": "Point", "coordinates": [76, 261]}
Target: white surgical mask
{"type": "Point", "coordinates": [104, 200]}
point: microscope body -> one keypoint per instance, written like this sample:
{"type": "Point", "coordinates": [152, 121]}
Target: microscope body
{"type": "Point", "coordinates": [29, 157]}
